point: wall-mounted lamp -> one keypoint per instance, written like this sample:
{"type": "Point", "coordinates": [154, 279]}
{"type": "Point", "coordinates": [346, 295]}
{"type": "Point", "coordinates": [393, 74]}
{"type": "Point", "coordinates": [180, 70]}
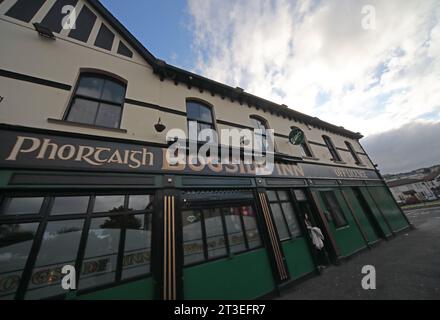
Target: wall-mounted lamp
{"type": "Point", "coordinates": [44, 31]}
{"type": "Point", "coordinates": [1, 98]}
{"type": "Point", "coordinates": [159, 126]}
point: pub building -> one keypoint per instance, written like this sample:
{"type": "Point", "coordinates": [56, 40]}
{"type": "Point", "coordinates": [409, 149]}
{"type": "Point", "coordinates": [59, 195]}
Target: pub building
{"type": "Point", "coordinates": [84, 115]}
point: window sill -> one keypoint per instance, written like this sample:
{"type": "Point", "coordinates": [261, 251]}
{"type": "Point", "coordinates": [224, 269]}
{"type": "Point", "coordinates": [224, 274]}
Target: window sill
{"type": "Point", "coordinates": [339, 162]}
{"type": "Point", "coordinates": [84, 125]}
{"type": "Point", "coordinates": [311, 158]}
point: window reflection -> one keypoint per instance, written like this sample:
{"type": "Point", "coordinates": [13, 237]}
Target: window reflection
{"type": "Point", "coordinates": [284, 215]}
{"type": "Point", "coordinates": [108, 204]}
{"type": "Point", "coordinates": [292, 222]}
{"type": "Point", "coordinates": [59, 247]}
{"type": "Point", "coordinates": [69, 205]}
{"type": "Point", "coordinates": [137, 251]}
{"type": "Point", "coordinates": [335, 209]}
{"type": "Point", "coordinates": [192, 236]}
{"type": "Point", "coordinates": [211, 233]}
{"type": "Point", "coordinates": [23, 205]}
{"type": "Point", "coordinates": [60, 242]}
{"type": "Point", "coordinates": [15, 245]}
{"type": "Point", "coordinates": [234, 229]}
{"type": "Point", "coordinates": [279, 221]}
{"type": "Point", "coordinates": [98, 100]}
{"type": "Point", "coordinates": [250, 225]}
{"type": "Point", "coordinates": [215, 239]}
{"type": "Point", "coordinates": [140, 202]}
{"type": "Point", "coordinates": [100, 258]}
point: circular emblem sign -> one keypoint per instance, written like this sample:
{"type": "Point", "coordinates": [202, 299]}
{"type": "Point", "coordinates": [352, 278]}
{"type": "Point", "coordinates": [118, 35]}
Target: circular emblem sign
{"type": "Point", "coordinates": [296, 136]}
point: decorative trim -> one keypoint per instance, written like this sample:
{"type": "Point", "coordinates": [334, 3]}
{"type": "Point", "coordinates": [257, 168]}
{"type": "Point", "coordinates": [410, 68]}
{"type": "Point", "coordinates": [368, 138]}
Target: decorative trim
{"type": "Point", "coordinates": [134, 141]}
{"type": "Point", "coordinates": [231, 124]}
{"type": "Point", "coordinates": [169, 255]}
{"type": "Point", "coordinates": [31, 79]}
{"type": "Point", "coordinates": [154, 106]}
{"type": "Point", "coordinates": [84, 125]}
{"type": "Point", "coordinates": [273, 238]}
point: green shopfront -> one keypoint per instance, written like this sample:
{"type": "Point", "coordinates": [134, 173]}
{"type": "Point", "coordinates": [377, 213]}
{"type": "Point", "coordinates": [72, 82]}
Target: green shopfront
{"type": "Point", "coordinates": [136, 228]}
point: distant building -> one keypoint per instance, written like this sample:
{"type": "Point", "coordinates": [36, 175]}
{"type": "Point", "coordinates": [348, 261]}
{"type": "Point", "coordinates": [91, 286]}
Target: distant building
{"type": "Point", "coordinates": [423, 189]}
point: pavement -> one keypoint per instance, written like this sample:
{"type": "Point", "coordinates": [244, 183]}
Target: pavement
{"type": "Point", "coordinates": [407, 267]}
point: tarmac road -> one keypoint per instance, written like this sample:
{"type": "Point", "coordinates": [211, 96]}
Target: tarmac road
{"type": "Point", "coordinates": [407, 267]}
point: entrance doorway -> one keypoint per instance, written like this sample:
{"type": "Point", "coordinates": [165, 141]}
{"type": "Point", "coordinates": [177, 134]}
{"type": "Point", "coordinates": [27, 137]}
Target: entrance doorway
{"type": "Point", "coordinates": [291, 230]}
{"type": "Point", "coordinates": [366, 211]}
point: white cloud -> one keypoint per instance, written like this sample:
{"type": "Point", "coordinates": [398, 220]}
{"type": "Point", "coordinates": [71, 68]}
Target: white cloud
{"type": "Point", "coordinates": [315, 57]}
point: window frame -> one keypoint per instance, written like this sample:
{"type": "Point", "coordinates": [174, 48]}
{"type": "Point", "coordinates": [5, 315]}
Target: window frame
{"type": "Point", "coordinates": [265, 123]}
{"type": "Point", "coordinates": [336, 157]}
{"type": "Point", "coordinates": [44, 217]}
{"type": "Point", "coordinates": [203, 103]}
{"type": "Point", "coordinates": [74, 95]}
{"type": "Point", "coordinates": [239, 203]}
{"type": "Point", "coordinates": [330, 209]}
{"type": "Point", "coordinates": [356, 158]}
{"type": "Point", "coordinates": [306, 148]}
{"type": "Point", "coordinates": [280, 202]}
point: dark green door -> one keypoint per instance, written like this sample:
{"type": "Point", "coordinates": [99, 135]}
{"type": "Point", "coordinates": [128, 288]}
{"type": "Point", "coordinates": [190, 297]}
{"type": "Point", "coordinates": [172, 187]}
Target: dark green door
{"type": "Point", "coordinates": [341, 222]}
{"type": "Point", "coordinates": [291, 233]}
{"type": "Point", "coordinates": [376, 210]}
{"type": "Point", "coordinates": [390, 210]}
{"type": "Point", "coordinates": [363, 213]}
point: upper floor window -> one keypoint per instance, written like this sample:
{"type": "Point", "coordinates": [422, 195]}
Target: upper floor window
{"type": "Point", "coordinates": [306, 151]}
{"type": "Point", "coordinates": [332, 149]}
{"type": "Point", "coordinates": [261, 124]}
{"type": "Point", "coordinates": [353, 153]}
{"type": "Point", "coordinates": [97, 100]}
{"type": "Point", "coordinates": [201, 114]}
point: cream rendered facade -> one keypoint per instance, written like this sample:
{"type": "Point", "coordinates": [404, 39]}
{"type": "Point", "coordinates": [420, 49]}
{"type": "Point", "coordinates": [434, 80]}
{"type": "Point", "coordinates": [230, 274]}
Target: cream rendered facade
{"type": "Point", "coordinates": [34, 105]}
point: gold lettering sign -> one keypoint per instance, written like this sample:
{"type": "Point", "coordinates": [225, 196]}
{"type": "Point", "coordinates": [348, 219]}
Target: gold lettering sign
{"type": "Point", "coordinates": [9, 283]}
{"type": "Point", "coordinates": [350, 173]}
{"type": "Point", "coordinates": [35, 150]}
{"type": "Point", "coordinates": [46, 149]}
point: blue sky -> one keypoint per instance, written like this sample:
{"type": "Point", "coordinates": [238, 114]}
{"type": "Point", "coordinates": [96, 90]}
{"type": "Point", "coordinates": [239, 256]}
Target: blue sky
{"type": "Point", "coordinates": [161, 25]}
{"type": "Point", "coordinates": [316, 57]}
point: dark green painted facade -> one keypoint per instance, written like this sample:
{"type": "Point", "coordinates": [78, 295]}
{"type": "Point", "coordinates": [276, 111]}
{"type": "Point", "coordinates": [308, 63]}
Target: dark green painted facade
{"type": "Point", "coordinates": [243, 276]}
{"type": "Point", "coordinates": [137, 290]}
{"type": "Point", "coordinates": [348, 238]}
{"type": "Point", "coordinates": [377, 212]}
{"type": "Point", "coordinates": [366, 223]}
{"type": "Point", "coordinates": [369, 210]}
{"type": "Point", "coordinates": [298, 257]}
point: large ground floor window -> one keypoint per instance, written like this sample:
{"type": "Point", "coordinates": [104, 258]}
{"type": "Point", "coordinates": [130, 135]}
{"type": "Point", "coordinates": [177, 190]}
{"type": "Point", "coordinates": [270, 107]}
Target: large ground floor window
{"type": "Point", "coordinates": [284, 215]}
{"type": "Point", "coordinates": [218, 229]}
{"type": "Point", "coordinates": [106, 237]}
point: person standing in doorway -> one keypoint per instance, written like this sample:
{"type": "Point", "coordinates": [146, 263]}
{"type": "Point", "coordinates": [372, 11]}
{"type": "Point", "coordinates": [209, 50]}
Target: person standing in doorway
{"type": "Point", "coordinates": [318, 243]}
